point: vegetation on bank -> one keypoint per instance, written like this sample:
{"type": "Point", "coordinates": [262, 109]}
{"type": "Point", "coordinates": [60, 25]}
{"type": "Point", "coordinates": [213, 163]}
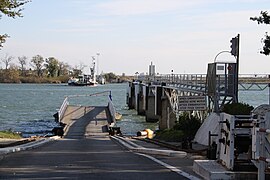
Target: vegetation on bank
{"type": "Point", "coordinates": [183, 130]}
{"type": "Point", "coordinates": [188, 124]}
{"type": "Point", "coordinates": [44, 70]}
{"type": "Point", "coordinates": [9, 135]}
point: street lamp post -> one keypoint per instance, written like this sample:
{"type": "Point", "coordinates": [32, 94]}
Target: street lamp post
{"type": "Point", "coordinates": [97, 63]}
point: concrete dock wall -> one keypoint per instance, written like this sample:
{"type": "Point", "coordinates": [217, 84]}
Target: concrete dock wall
{"type": "Point", "coordinates": [151, 101]}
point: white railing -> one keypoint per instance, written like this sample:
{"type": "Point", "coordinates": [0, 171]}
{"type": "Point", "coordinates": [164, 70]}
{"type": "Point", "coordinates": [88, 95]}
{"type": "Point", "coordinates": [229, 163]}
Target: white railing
{"type": "Point", "coordinates": [65, 103]}
{"type": "Point", "coordinates": [261, 139]}
{"type": "Point", "coordinates": [62, 109]}
{"type": "Point", "coordinates": [260, 150]}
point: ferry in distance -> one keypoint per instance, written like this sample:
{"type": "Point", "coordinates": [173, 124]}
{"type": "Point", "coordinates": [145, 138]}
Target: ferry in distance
{"type": "Point", "coordinates": [84, 79]}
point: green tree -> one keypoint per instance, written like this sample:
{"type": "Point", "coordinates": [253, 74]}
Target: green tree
{"type": "Point", "coordinates": [38, 63]}
{"type": "Point", "coordinates": [10, 8]}
{"type": "Point", "coordinates": [52, 65]}
{"type": "Point", "coordinates": [63, 69]}
{"type": "Point", "coordinates": [264, 18]}
{"type": "Point", "coordinates": [110, 76]}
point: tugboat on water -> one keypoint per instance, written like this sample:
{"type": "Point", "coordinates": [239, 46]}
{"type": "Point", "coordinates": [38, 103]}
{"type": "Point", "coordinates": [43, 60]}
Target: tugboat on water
{"type": "Point", "coordinates": [84, 79]}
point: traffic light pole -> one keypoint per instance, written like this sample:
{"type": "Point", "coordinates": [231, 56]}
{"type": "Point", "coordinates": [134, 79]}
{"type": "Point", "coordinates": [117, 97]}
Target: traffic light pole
{"type": "Point", "coordinates": [237, 70]}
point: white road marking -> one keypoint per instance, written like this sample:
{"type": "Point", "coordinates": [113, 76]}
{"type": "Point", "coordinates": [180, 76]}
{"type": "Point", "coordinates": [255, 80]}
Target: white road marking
{"type": "Point", "coordinates": [172, 168]}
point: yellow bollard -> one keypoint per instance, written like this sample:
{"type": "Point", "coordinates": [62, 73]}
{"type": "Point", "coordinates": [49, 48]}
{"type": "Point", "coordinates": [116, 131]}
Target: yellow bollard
{"type": "Point", "coordinates": [147, 132]}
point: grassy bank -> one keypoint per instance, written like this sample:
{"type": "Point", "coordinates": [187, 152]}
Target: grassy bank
{"type": "Point", "coordinates": [9, 135]}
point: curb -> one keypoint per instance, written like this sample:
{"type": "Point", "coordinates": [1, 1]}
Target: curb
{"type": "Point", "coordinates": [30, 145]}
{"type": "Point", "coordinates": [139, 149]}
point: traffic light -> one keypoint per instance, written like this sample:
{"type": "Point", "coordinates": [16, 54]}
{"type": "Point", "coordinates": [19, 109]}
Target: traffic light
{"type": "Point", "coordinates": [234, 46]}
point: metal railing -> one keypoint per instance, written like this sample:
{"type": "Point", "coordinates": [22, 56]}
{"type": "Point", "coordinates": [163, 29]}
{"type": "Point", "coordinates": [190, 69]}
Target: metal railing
{"type": "Point", "coordinates": [62, 109]}
{"type": "Point", "coordinates": [197, 82]}
{"type": "Point", "coordinates": [261, 150]}
{"type": "Point", "coordinates": [65, 103]}
{"type": "Point", "coordinates": [112, 109]}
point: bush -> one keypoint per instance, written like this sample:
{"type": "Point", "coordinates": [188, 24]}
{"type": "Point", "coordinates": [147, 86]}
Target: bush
{"type": "Point", "coordinates": [189, 124]}
{"type": "Point", "coordinates": [170, 135]}
{"type": "Point", "coordinates": [237, 109]}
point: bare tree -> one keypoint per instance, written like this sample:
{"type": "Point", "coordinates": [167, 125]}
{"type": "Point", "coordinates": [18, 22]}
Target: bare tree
{"type": "Point", "coordinates": [7, 60]}
{"type": "Point", "coordinates": [82, 66]}
{"type": "Point", "coordinates": [22, 61]}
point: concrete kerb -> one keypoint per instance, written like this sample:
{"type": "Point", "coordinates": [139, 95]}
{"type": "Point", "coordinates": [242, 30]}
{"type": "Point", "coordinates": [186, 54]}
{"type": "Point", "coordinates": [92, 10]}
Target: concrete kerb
{"type": "Point", "coordinates": [139, 149]}
{"type": "Point", "coordinates": [30, 145]}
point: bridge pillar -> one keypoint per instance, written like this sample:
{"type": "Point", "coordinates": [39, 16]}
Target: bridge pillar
{"type": "Point", "coordinates": [141, 99]}
{"type": "Point", "coordinates": [150, 114]}
{"type": "Point", "coordinates": [168, 118]}
{"type": "Point", "coordinates": [131, 96]}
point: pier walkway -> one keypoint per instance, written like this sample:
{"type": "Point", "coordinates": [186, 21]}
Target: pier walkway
{"type": "Point", "coordinates": [95, 118]}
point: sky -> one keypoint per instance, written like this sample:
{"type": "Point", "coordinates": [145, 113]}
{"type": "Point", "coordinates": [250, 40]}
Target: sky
{"type": "Point", "coordinates": [179, 35]}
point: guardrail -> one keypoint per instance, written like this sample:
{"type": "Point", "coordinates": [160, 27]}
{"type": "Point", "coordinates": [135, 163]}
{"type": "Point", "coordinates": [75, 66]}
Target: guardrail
{"type": "Point", "coordinates": [65, 103]}
{"type": "Point", "coordinates": [63, 109]}
{"type": "Point", "coordinates": [197, 82]}
{"type": "Point", "coordinates": [111, 109]}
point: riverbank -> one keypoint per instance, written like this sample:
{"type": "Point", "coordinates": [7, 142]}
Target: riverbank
{"type": "Point", "coordinates": [9, 135]}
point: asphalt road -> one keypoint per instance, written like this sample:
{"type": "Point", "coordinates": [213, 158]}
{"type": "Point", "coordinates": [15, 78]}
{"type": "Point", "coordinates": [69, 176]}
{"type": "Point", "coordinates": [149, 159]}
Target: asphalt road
{"type": "Point", "coordinates": [88, 155]}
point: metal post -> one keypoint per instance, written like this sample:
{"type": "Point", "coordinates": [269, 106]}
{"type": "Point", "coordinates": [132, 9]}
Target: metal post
{"type": "Point", "coordinates": [262, 153]}
{"type": "Point", "coordinates": [261, 169]}
{"type": "Point", "coordinates": [269, 89]}
{"type": "Point", "coordinates": [168, 117]}
{"type": "Point", "coordinates": [97, 63]}
{"type": "Point", "coordinates": [237, 69]}
{"type": "Point", "coordinates": [110, 95]}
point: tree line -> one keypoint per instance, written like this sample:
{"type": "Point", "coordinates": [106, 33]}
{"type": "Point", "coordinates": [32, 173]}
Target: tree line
{"type": "Point", "coordinates": [36, 70]}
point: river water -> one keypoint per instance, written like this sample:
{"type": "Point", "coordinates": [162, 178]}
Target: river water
{"type": "Point", "coordinates": [29, 108]}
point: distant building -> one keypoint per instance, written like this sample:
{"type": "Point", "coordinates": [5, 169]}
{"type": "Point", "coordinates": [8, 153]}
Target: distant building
{"type": "Point", "coordinates": [152, 69]}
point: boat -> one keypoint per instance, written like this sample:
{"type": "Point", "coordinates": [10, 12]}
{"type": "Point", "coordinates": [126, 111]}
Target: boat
{"type": "Point", "coordinates": [84, 79]}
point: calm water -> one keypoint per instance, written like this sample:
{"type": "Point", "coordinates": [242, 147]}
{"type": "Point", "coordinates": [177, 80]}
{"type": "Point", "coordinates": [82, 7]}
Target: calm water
{"type": "Point", "coordinates": [29, 108]}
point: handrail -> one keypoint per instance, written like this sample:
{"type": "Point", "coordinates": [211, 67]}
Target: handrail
{"type": "Point", "coordinates": [63, 109]}
{"type": "Point", "coordinates": [85, 95]}
{"type": "Point", "coordinates": [65, 103]}
{"type": "Point", "coordinates": [111, 109]}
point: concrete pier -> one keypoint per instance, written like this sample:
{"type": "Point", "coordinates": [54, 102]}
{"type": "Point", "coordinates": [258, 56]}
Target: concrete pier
{"type": "Point", "coordinates": [151, 101]}
{"type": "Point", "coordinates": [167, 119]}
{"type": "Point", "coordinates": [141, 99]}
{"type": "Point", "coordinates": [131, 96]}
{"type": "Point", "coordinates": [150, 115]}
